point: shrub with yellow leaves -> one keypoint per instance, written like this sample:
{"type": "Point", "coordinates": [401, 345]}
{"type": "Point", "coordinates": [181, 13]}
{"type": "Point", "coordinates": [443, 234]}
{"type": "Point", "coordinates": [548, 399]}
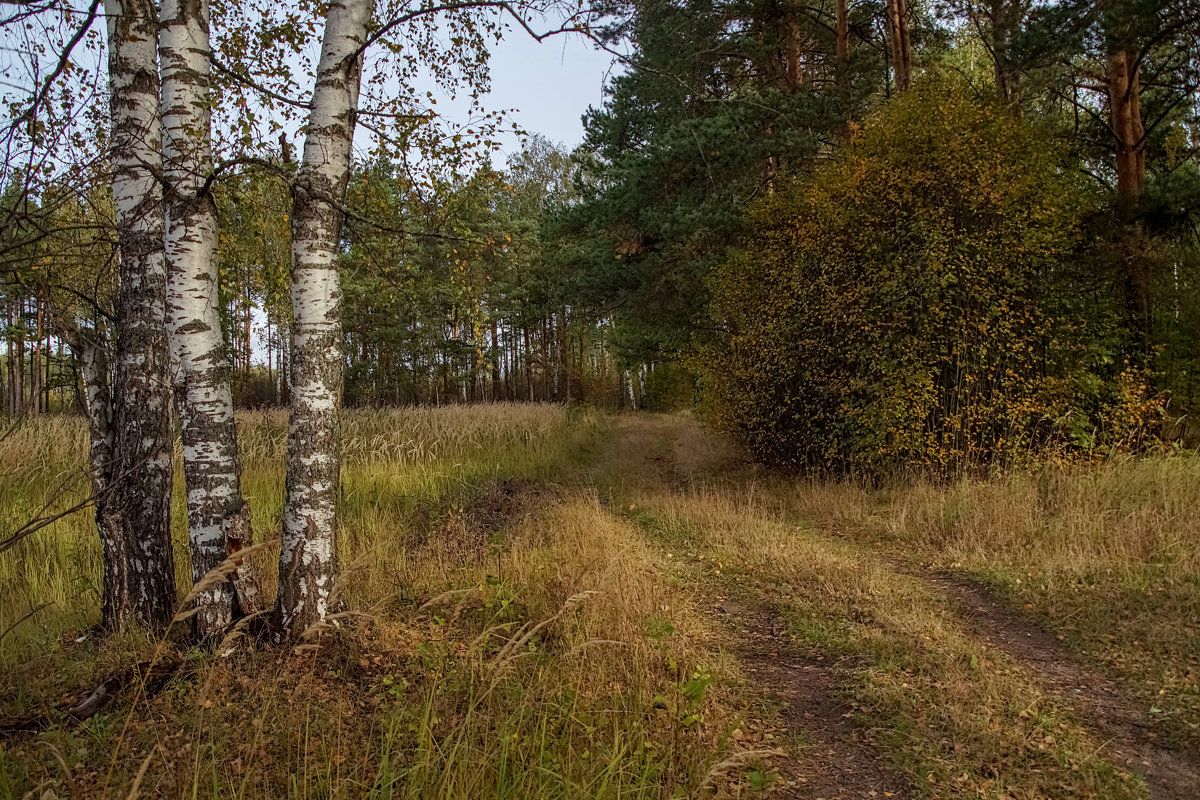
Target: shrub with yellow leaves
{"type": "Point", "coordinates": [911, 305]}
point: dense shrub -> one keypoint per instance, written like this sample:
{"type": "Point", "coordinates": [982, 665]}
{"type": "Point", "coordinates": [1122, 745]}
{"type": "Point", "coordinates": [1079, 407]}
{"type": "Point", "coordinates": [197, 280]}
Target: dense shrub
{"type": "Point", "coordinates": [912, 303]}
{"type": "Point", "coordinates": [668, 386]}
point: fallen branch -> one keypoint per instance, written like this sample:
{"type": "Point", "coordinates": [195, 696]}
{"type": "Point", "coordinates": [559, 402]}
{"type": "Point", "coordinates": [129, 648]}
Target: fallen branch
{"type": "Point", "coordinates": [152, 677]}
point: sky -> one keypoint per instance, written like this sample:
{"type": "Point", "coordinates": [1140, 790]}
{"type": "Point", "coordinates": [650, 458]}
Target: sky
{"type": "Point", "coordinates": [550, 83]}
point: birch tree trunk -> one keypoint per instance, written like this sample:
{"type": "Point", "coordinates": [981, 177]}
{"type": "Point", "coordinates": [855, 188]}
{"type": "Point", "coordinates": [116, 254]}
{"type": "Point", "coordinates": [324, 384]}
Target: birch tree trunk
{"type": "Point", "coordinates": [218, 518]}
{"type": "Point", "coordinates": [139, 571]}
{"type": "Point", "coordinates": [91, 353]}
{"type": "Point", "coordinates": [308, 555]}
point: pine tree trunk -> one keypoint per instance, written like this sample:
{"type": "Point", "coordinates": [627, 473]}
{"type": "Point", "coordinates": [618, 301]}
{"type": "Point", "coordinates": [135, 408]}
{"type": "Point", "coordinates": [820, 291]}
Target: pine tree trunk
{"type": "Point", "coordinates": [135, 514]}
{"type": "Point", "coordinates": [218, 518]}
{"type": "Point", "coordinates": [795, 54]}
{"type": "Point", "coordinates": [528, 363]}
{"type": "Point", "coordinates": [62, 385]}
{"type": "Point", "coordinates": [9, 398]}
{"type": "Point", "coordinates": [1004, 21]}
{"type": "Point", "coordinates": [35, 366]}
{"type": "Point", "coordinates": [564, 353]}
{"type": "Point", "coordinates": [901, 44]}
{"type": "Point", "coordinates": [19, 382]}
{"type": "Point", "coordinates": [495, 363]}
{"type": "Point", "coordinates": [842, 43]}
{"type": "Point", "coordinates": [308, 556]}
{"type": "Point", "coordinates": [1124, 97]}
{"type": "Point", "coordinates": [553, 341]}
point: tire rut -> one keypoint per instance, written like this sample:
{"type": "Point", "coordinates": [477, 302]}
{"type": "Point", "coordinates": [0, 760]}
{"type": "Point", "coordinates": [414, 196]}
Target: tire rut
{"type": "Point", "coordinates": [837, 763]}
{"type": "Point", "coordinates": [1102, 707]}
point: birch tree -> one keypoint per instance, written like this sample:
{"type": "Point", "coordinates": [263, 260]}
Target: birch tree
{"type": "Point", "coordinates": [218, 517]}
{"type": "Point", "coordinates": [134, 509]}
{"type": "Point", "coordinates": [308, 556]}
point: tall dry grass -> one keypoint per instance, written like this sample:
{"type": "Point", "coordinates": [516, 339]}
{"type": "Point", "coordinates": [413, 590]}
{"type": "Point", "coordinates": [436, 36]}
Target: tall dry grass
{"type": "Point", "coordinates": [393, 460]}
{"type": "Point", "coordinates": [50, 578]}
{"type": "Point", "coordinates": [1125, 513]}
{"type": "Point", "coordinates": [532, 599]}
{"type": "Point", "coordinates": [957, 717]}
{"type": "Point", "coordinates": [510, 639]}
{"type": "Point", "coordinates": [1106, 555]}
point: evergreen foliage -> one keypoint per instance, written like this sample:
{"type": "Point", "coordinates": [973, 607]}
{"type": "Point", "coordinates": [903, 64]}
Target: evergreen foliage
{"type": "Point", "coordinates": [684, 141]}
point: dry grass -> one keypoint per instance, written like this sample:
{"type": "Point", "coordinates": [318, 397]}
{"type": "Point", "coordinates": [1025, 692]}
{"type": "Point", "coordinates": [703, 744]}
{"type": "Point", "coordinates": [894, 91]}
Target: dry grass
{"type": "Point", "coordinates": [531, 596]}
{"type": "Point", "coordinates": [385, 475]}
{"type": "Point", "coordinates": [1108, 555]}
{"type": "Point", "coordinates": [959, 718]}
{"type": "Point", "coordinates": [495, 654]}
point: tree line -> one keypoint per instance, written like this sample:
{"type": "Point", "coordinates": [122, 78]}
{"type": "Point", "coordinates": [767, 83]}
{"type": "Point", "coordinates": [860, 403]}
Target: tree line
{"type": "Point", "coordinates": [863, 235]}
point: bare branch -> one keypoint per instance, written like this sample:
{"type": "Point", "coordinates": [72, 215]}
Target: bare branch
{"type": "Point", "coordinates": [64, 60]}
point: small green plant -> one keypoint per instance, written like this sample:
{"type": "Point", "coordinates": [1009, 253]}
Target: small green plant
{"type": "Point", "coordinates": [658, 629]}
{"type": "Point", "coordinates": [761, 780]}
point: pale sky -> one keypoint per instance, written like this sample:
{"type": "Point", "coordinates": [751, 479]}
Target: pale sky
{"type": "Point", "coordinates": [550, 84]}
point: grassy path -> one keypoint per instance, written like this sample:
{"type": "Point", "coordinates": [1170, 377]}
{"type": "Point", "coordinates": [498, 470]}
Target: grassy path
{"type": "Point", "coordinates": [1104, 708]}
{"type": "Point", "coordinates": [832, 758]}
{"type": "Point", "coordinates": [952, 695]}
{"type": "Point", "coordinates": [792, 689]}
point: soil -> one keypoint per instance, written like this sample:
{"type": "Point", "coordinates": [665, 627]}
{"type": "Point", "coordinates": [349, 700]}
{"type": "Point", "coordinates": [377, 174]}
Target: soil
{"type": "Point", "coordinates": [467, 533]}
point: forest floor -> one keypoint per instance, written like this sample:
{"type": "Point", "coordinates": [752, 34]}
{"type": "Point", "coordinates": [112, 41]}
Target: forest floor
{"type": "Point", "coordinates": [566, 606]}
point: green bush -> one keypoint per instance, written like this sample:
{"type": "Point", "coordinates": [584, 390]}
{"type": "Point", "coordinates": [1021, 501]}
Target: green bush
{"type": "Point", "coordinates": [911, 304]}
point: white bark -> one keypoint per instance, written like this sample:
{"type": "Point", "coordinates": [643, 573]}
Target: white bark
{"type": "Point", "coordinates": [135, 514]}
{"type": "Point", "coordinates": [92, 356]}
{"type": "Point", "coordinates": [308, 556]}
{"type": "Point", "coordinates": [218, 519]}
